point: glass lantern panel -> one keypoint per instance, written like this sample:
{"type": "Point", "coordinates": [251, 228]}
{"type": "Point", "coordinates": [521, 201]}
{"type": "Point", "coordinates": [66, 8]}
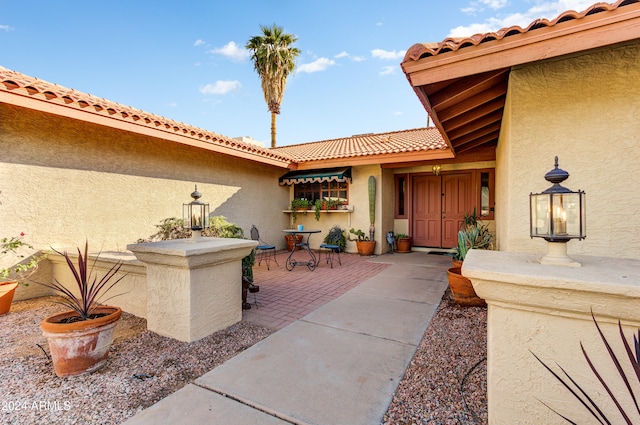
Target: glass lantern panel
{"type": "Point", "coordinates": [540, 224]}
{"type": "Point", "coordinates": [186, 216]}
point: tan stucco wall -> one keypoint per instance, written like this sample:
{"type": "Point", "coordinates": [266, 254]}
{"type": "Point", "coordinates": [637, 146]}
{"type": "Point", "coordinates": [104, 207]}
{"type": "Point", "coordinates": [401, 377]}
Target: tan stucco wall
{"type": "Point", "coordinates": [585, 110]}
{"type": "Point", "coordinates": [63, 181]}
{"type": "Point", "coordinates": [546, 310]}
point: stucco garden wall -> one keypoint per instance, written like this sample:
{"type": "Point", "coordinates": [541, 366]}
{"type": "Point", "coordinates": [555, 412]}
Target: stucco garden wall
{"type": "Point", "coordinates": [63, 181]}
{"type": "Point", "coordinates": [584, 109]}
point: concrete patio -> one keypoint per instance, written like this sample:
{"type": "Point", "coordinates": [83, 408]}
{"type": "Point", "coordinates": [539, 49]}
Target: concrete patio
{"type": "Point", "coordinates": [342, 347]}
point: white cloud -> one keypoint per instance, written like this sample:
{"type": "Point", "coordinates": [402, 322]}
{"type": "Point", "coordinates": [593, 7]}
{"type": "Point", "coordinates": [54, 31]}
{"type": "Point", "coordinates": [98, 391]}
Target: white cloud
{"type": "Point", "coordinates": [546, 9]}
{"type": "Point", "coordinates": [232, 51]}
{"type": "Point", "coordinates": [6, 28]}
{"type": "Point", "coordinates": [172, 104]}
{"type": "Point", "coordinates": [398, 113]}
{"type": "Point", "coordinates": [198, 42]}
{"type": "Point", "coordinates": [388, 70]}
{"type": "Point", "coordinates": [220, 87]}
{"type": "Point", "coordinates": [320, 64]}
{"type": "Point", "coordinates": [386, 55]}
{"type": "Point", "coordinates": [344, 54]}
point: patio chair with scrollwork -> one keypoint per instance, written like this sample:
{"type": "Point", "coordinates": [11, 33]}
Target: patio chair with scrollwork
{"type": "Point", "coordinates": [264, 250]}
{"type": "Point", "coordinates": [332, 245]}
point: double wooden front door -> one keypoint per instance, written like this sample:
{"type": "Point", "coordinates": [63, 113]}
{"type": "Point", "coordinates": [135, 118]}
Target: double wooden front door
{"type": "Point", "coordinates": [439, 204]}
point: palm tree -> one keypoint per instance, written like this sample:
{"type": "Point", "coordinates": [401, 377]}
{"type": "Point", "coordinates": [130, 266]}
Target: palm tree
{"type": "Point", "coordinates": [273, 59]}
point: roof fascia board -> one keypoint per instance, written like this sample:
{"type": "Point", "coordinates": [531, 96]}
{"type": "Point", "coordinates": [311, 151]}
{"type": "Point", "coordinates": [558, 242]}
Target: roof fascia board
{"type": "Point", "coordinates": [620, 25]}
{"type": "Point", "coordinates": [88, 116]}
{"type": "Point", "coordinates": [424, 99]}
{"type": "Point", "coordinates": [378, 159]}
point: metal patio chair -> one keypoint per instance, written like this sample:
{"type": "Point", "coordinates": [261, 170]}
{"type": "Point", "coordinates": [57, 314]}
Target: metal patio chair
{"type": "Point", "coordinates": [264, 250]}
{"type": "Point", "coordinates": [331, 246]}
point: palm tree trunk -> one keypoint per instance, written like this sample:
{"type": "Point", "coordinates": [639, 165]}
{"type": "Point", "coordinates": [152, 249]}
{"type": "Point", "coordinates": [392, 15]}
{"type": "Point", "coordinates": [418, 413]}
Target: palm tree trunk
{"type": "Point", "coordinates": [273, 130]}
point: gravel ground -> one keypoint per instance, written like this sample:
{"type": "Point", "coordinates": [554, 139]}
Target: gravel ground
{"type": "Point", "coordinates": [444, 384]}
{"type": "Point", "coordinates": [142, 368]}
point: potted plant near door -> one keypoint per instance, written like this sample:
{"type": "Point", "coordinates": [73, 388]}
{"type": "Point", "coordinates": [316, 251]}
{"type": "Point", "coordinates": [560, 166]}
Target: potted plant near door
{"type": "Point", "coordinates": [403, 243]}
{"type": "Point", "coordinates": [79, 339]}
{"type": "Point", "coordinates": [471, 236]}
{"type": "Point", "coordinates": [364, 245]}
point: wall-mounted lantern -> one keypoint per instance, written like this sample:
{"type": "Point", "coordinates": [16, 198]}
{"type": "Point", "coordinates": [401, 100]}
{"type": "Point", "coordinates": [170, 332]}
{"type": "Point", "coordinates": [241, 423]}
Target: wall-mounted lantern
{"type": "Point", "coordinates": [558, 215]}
{"type": "Point", "coordinates": [195, 215]}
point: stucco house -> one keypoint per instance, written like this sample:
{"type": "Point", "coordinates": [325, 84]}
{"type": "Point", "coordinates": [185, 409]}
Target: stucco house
{"type": "Point", "coordinates": [568, 87]}
{"type": "Point", "coordinates": [77, 167]}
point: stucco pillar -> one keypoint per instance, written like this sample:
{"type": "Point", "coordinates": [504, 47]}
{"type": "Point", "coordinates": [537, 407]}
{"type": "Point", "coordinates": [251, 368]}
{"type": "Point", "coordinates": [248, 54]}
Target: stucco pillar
{"type": "Point", "coordinates": [194, 287]}
{"type": "Point", "coordinates": [546, 310]}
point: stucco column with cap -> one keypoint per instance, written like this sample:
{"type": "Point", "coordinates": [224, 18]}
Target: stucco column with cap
{"type": "Point", "coordinates": [546, 310]}
{"type": "Point", "coordinates": [194, 286]}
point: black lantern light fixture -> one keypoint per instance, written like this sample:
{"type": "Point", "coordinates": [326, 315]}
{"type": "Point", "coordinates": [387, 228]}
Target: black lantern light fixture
{"type": "Point", "coordinates": [557, 215]}
{"type": "Point", "coordinates": [195, 214]}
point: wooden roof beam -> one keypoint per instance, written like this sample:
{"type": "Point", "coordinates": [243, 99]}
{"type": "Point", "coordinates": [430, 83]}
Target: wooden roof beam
{"type": "Point", "coordinates": [475, 113]}
{"type": "Point", "coordinates": [471, 103]}
{"type": "Point", "coordinates": [466, 88]}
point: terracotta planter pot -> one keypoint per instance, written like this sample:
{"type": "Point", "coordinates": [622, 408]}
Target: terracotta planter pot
{"type": "Point", "coordinates": [289, 239]}
{"type": "Point", "coordinates": [456, 263]}
{"type": "Point", "coordinates": [366, 247]}
{"type": "Point", "coordinates": [7, 290]}
{"type": "Point", "coordinates": [462, 289]}
{"type": "Point", "coordinates": [83, 346]}
{"type": "Point", "coordinates": [403, 245]}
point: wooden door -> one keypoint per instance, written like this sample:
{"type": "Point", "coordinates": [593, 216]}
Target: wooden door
{"type": "Point", "coordinates": [426, 210]}
{"type": "Point", "coordinates": [457, 200]}
{"type": "Point", "coordinates": [439, 204]}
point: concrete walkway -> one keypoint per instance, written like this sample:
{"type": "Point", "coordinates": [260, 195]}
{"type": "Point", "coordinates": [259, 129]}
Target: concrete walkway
{"type": "Point", "coordinates": [339, 364]}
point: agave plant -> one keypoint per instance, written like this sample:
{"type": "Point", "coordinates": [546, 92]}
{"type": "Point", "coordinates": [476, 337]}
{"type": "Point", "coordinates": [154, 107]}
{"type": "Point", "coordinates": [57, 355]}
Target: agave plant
{"type": "Point", "coordinates": [475, 236]}
{"type": "Point", "coordinates": [91, 290]}
{"type": "Point", "coordinates": [585, 400]}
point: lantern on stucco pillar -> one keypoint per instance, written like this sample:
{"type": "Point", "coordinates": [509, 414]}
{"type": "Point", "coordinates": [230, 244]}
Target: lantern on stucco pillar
{"type": "Point", "coordinates": [557, 215]}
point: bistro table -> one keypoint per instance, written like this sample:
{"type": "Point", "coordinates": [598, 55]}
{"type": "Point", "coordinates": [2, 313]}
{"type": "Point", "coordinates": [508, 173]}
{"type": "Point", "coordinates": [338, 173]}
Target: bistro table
{"type": "Point", "coordinates": [291, 262]}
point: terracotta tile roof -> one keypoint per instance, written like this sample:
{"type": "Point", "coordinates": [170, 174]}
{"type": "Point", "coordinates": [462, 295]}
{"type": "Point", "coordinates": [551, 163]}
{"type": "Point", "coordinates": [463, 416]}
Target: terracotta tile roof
{"type": "Point", "coordinates": [419, 140]}
{"type": "Point", "coordinates": [16, 83]}
{"type": "Point", "coordinates": [421, 50]}
{"type": "Point", "coordinates": [462, 83]}
{"type": "Point", "coordinates": [15, 87]}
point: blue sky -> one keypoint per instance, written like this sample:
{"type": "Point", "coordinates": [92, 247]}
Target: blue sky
{"type": "Point", "coordinates": [186, 60]}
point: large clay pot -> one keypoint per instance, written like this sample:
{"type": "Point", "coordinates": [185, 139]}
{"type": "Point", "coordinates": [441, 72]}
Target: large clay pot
{"type": "Point", "coordinates": [82, 346]}
{"type": "Point", "coordinates": [462, 289]}
{"type": "Point", "coordinates": [366, 247]}
{"type": "Point", "coordinates": [403, 245]}
{"type": "Point", "coordinates": [7, 290]}
{"type": "Point", "coordinates": [289, 239]}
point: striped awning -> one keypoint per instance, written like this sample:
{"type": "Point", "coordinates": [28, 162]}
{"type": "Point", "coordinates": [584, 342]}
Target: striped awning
{"type": "Point", "coordinates": [342, 174]}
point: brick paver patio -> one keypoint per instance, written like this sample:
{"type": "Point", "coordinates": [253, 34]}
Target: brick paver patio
{"type": "Point", "coordinates": [286, 296]}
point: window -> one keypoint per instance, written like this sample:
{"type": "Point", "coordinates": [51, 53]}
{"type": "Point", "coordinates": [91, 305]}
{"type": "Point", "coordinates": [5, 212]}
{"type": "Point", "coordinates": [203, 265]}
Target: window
{"type": "Point", "coordinates": [313, 191]}
{"type": "Point", "coordinates": [401, 181]}
{"type": "Point", "coordinates": [486, 195]}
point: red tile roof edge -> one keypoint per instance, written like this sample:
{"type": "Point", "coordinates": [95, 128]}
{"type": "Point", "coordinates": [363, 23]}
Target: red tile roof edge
{"type": "Point", "coordinates": [17, 83]}
{"type": "Point", "coordinates": [422, 50]}
{"type": "Point", "coordinates": [369, 144]}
